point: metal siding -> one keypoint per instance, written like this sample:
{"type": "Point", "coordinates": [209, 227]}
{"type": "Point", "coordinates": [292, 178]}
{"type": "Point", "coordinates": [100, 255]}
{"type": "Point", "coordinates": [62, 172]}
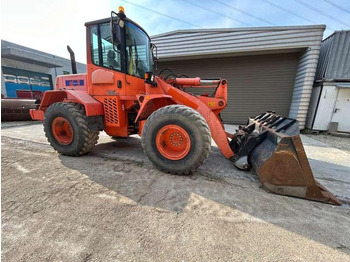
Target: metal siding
{"type": "Point", "coordinates": [187, 44]}
{"type": "Point", "coordinates": [339, 61]}
{"type": "Point", "coordinates": [303, 86]}
{"type": "Point", "coordinates": [313, 106]}
{"type": "Point", "coordinates": [334, 62]}
{"type": "Point", "coordinates": [239, 29]}
{"type": "Point", "coordinates": [255, 83]}
{"type": "Point", "coordinates": [233, 40]}
{"type": "Point", "coordinates": [326, 48]}
{"type": "Point", "coordinates": [212, 42]}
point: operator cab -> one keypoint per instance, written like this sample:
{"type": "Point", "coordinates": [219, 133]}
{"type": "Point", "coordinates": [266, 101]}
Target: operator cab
{"type": "Point", "coordinates": [120, 44]}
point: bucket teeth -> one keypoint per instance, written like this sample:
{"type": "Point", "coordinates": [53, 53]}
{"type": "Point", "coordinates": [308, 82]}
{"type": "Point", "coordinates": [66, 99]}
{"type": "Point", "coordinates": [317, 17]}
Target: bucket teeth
{"type": "Point", "coordinates": [279, 159]}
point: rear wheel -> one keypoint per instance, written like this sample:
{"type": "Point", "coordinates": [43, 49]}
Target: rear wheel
{"type": "Point", "coordinates": [66, 129]}
{"type": "Point", "coordinates": [176, 139]}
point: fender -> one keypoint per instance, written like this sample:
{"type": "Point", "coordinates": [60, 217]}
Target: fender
{"type": "Point", "coordinates": [150, 103]}
{"type": "Point", "coordinates": [92, 106]}
{"type": "Point", "coordinates": [216, 128]}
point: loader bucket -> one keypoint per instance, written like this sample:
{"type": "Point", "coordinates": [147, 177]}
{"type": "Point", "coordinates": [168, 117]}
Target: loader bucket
{"type": "Point", "coordinates": [280, 161]}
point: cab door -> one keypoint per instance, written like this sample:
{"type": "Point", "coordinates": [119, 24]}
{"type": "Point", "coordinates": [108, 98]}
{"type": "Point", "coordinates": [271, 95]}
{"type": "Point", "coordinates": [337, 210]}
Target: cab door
{"type": "Point", "coordinates": [342, 110]}
{"type": "Point", "coordinates": [106, 78]}
{"type": "Point", "coordinates": [107, 61]}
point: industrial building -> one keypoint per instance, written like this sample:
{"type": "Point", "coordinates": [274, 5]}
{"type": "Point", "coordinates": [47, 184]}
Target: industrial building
{"type": "Point", "coordinates": [267, 68]}
{"type": "Point", "coordinates": [24, 68]}
{"type": "Point", "coordinates": [330, 104]}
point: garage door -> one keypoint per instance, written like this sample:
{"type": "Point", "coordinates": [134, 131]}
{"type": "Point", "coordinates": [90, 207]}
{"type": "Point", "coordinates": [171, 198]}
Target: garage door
{"type": "Point", "coordinates": [255, 83]}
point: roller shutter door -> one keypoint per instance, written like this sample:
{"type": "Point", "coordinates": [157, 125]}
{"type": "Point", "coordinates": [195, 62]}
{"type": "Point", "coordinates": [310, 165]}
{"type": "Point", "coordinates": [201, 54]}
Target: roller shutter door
{"type": "Point", "coordinates": [256, 83]}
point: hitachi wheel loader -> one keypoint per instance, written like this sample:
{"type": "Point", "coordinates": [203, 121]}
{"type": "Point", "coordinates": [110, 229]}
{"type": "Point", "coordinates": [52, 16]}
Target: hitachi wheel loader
{"type": "Point", "coordinates": [121, 95]}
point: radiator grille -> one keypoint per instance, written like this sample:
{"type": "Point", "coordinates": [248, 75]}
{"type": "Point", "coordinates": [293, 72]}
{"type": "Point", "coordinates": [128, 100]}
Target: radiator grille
{"type": "Point", "coordinates": [111, 111]}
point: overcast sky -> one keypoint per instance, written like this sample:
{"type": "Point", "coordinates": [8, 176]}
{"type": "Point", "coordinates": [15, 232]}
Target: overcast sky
{"type": "Point", "coordinates": [52, 24]}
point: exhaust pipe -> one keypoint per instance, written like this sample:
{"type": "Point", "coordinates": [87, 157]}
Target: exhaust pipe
{"type": "Point", "coordinates": [72, 60]}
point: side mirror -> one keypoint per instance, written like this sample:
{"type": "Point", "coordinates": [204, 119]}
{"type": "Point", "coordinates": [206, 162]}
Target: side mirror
{"type": "Point", "coordinates": [116, 25]}
{"type": "Point", "coordinates": [154, 56]}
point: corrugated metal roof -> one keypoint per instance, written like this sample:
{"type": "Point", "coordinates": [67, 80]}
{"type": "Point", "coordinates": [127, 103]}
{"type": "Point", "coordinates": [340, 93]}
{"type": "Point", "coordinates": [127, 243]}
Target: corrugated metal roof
{"type": "Point", "coordinates": [239, 29]}
{"type": "Point", "coordinates": [334, 61]}
{"type": "Point", "coordinates": [182, 44]}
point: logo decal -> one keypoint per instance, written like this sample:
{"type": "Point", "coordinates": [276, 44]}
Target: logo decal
{"type": "Point", "coordinates": [74, 82]}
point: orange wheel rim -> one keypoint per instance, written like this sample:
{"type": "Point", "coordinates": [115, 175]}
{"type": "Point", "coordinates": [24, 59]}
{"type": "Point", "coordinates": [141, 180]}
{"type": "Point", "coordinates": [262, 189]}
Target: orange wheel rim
{"type": "Point", "coordinates": [62, 131]}
{"type": "Point", "coordinates": [173, 142]}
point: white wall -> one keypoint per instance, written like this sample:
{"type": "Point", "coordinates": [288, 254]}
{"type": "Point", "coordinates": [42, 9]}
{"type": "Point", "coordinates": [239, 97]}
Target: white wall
{"type": "Point", "coordinates": [325, 108]}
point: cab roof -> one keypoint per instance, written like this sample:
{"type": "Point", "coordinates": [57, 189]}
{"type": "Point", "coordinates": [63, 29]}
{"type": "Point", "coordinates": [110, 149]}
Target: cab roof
{"type": "Point", "coordinates": [108, 19]}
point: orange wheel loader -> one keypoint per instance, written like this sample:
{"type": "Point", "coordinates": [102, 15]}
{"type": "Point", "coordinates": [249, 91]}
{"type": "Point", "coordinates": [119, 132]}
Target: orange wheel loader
{"type": "Point", "coordinates": [121, 95]}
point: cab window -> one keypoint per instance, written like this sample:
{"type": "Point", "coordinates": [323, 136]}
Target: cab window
{"type": "Point", "coordinates": [138, 56]}
{"type": "Point", "coordinates": [94, 45]}
{"type": "Point", "coordinates": [102, 52]}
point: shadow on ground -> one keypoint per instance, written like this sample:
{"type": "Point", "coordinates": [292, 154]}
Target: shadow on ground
{"type": "Point", "coordinates": [217, 188]}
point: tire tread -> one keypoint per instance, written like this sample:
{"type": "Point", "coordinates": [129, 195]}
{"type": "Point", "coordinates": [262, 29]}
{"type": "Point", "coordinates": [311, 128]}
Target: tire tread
{"type": "Point", "coordinates": [195, 118]}
{"type": "Point", "coordinates": [88, 139]}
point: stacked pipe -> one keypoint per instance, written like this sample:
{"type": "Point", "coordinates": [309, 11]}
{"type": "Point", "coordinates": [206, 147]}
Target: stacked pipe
{"type": "Point", "coordinates": [13, 109]}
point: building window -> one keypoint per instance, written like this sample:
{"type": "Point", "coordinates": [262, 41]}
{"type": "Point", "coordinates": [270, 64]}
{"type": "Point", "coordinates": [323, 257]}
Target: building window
{"type": "Point", "coordinates": [65, 72]}
{"type": "Point", "coordinates": [23, 80]}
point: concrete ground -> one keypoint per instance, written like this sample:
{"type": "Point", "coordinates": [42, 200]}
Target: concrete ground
{"type": "Point", "coordinates": [113, 205]}
{"type": "Point", "coordinates": [342, 143]}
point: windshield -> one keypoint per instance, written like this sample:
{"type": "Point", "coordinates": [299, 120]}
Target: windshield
{"type": "Point", "coordinates": [138, 52]}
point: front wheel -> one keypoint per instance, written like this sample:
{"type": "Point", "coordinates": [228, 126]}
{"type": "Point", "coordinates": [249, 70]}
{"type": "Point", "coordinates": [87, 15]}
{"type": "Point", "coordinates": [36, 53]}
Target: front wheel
{"type": "Point", "coordinates": [176, 139]}
{"type": "Point", "coordinates": [66, 129]}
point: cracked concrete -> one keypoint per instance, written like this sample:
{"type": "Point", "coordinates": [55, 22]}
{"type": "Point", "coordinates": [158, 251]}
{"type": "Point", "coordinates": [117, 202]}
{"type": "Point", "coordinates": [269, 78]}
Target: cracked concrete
{"type": "Point", "coordinates": [113, 205]}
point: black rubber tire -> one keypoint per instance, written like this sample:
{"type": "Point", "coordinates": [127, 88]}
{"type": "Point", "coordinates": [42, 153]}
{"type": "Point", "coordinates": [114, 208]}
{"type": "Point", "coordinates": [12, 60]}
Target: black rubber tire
{"type": "Point", "coordinates": [116, 138]}
{"type": "Point", "coordinates": [83, 138]}
{"type": "Point", "coordinates": [197, 129]}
